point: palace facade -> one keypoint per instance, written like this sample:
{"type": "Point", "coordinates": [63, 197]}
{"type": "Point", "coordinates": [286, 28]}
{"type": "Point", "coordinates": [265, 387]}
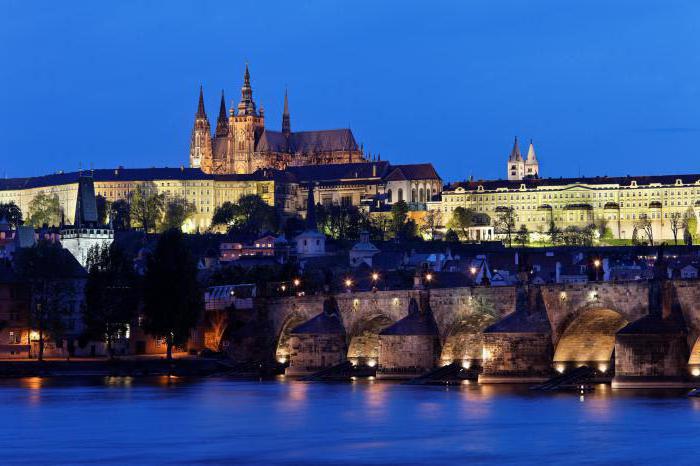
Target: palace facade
{"type": "Point", "coordinates": [241, 144]}
{"type": "Point", "coordinates": [620, 202]}
{"type": "Point", "coordinates": [370, 185]}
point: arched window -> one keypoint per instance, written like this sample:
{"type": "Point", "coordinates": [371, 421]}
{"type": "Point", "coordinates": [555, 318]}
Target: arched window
{"type": "Point", "coordinates": [400, 195]}
{"type": "Point", "coordinates": [388, 196]}
{"type": "Point", "coordinates": [421, 195]}
{"type": "Point", "coordinates": [413, 195]}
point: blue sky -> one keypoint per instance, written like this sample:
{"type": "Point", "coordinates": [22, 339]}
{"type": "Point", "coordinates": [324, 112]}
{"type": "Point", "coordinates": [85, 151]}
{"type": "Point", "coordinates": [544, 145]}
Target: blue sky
{"type": "Point", "coordinates": [602, 87]}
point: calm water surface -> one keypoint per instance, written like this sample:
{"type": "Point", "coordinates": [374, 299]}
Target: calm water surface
{"type": "Point", "coordinates": [136, 421]}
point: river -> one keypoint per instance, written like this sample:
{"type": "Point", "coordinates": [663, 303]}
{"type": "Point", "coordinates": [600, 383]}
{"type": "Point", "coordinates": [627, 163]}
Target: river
{"type": "Point", "coordinates": [213, 421]}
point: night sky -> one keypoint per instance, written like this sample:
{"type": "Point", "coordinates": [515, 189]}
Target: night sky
{"type": "Point", "coordinates": [602, 87]}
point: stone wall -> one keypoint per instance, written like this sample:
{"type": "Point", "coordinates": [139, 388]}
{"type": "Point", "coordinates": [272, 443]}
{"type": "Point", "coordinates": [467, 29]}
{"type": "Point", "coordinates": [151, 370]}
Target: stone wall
{"type": "Point", "coordinates": [311, 353]}
{"type": "Point", "coordinates": [517, 354]}
{"type": "Point", "coordinates": [407, 355]}
{"type": "Point", "coordinates": [664, 355]}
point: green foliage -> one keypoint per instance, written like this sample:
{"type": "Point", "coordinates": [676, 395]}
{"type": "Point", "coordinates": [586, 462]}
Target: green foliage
{"type": "Point", "coordinates": [505, 224]}
{"type": "Point", "coordinates": [172, 298]}
{"type": "Point", "coordinates": [690, 225]}
{"type": "Point", "coordinates": [577, 236]}
{"type": "Point", "coordinates": [431, 222]}
{"type": "Point", "coordinates": [111, 294]}
{"type": "Point", "coordinates": [340, 222]}
{"type": "Point", "coordinates": [555, 234]}
{"type": "Point", "coordinates": [401, 227]}
{"type": "Point", "coordinates": [251, 215]}
{"type": "Point", "coordinates": [522, 237]}
{"type": "Point", "coordinates": [451, 236]}
{"type": "Point", "coordinates": [177, 211]}
{"type": "Point", "coordinates": [146, 208]}
{"type": "Point", "coordinates": [102, 209]}
{"type": "Point", "coordinates": [120, 211]}
{"type": "Point", "coordinates": [44, 209]}
{"type": "Point", "coordinates": [462, 219]}
{"type": "Point", "coordinates": [12, 213]}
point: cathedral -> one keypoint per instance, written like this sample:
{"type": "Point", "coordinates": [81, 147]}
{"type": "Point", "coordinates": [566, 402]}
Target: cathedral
{"type": "Point", "coordinates": [241, 144]}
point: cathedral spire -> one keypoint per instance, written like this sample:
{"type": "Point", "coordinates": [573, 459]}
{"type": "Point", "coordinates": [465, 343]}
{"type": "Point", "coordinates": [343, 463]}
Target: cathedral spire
{"type": "Point", "coordinates": [515, 153]}
{"type": "Point", "coordinates": [286, 125]}
{"type": "Point", "coordinates": [200, 108]}
{"type": "Point", "coordinates": [246, 106]}
{"type": "Point", "coordinates": [222, 121]}
{"type": "Point", "coordinates": [531, 156]}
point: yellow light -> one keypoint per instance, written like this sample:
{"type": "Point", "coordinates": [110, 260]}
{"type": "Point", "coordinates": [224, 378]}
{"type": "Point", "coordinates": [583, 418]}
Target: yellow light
{"type": "Point", "coordinates": [297, 282]}
{"type": "Point", "coordinates": [603, 367]}
{"type": "Point", "coordinates": [375, 276]}
{"type": "Point", "coordinates": [33, 335]}
{"type": "Point", "coordinates": [466, 364]}
{"type": "Point", "coordinates": [696, 372]}
{"type": "Point", "coordinates": [371, 377]}
{"type": "Point", "coordinates": [282, 360]}
{"type": "Point", "coordinates": [371, 363]}
{"type": "Point", "coordinates": [596, 263]}
{"type": "Point", "coordinates": [473, 270]}
{"type": "Point", "coordinates": [485, 354]}
{"type": "Point", "coordinates": [284, 287]}
{"type": "Point", "coordinates": [429, 276]}
{"type": "Point", "coordinates": [560, 368]}
{"type": "Point", "coordinates": [348, 282]}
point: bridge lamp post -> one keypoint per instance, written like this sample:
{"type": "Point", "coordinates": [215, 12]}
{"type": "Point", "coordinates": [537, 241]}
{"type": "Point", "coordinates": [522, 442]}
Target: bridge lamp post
{"type": "Point", "coordinates": [348, 284]}
{"type": "Point", "coordinates": [375, 278]}
{"type": "Point", "coordinates": [428, 278]}
{"type": "Point", "coordinates": [596, 264]}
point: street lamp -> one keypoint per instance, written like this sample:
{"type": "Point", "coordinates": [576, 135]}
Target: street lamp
{"type": "Point", "coordinates": [596, 264]}
{"type": "Point", "coordinates": [297, 282]}
{"type": "Point", "coordinates": [348, 283]}
{"type": "Point", "coordinates": [473, 270]}
{"type": "Point", "coordinates": [375, 277]}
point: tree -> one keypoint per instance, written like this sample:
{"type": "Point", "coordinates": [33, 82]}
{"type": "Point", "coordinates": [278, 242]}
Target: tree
{"type": "Point", "coordinates": [172, 297]}
{"type": "Point", "coordinates": [177, 211]}
{"type": "Point", "coordinates": [505, 224]}
{"type": "Point", "coordinates": [522, 237]}
{"type": "Point", "coordinates": [690, 225]}
{"type": "Point", "coordinates": [250, 216]}
{"type": "Point", "coordinates": [51, 272]}
{"type": "Point", "coordinates": [555, 234]}
{"type": "Point", "coordinates": [12, 213]}
{"type": "Point", "coordinates": [451, 236]}
{"type": "Point", "coordinates": [146, 208]}
{"type": "Point", "coordinates": [102, 209]}
{"type": "Point", "coordinates": [676, 222]}
{"type": "Point", "coordinates": [44, 209]}
{"type": "Point", "coordinates": [462, 220]}
{"type": "Point", "coordinates": [381, 224]}
{"type": "Point", "coordinates": [644, 224]}
{"type": "Point", "coordinates": [340, 222]}
{"type": "Point", "coordinates": [431, 222]}
{"type": "Point", "coordinates": [120, 212]}
{"type": "Point", "coordinates": [111, 294]}
{"type": "Point", "coordinates": [399, 215]}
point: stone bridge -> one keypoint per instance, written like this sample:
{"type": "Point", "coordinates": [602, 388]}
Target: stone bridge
{"type": "Point", "coordinates": [522, 333]}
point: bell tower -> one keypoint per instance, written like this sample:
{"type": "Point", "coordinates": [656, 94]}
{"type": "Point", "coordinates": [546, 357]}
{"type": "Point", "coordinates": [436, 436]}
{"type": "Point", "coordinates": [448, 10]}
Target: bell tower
{"type": "Point", "coordinates": [245, 126]}
{"type": "Point", "coordinates": [200, 141]}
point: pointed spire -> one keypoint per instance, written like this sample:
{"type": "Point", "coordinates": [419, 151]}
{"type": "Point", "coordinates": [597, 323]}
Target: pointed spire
{"type": "Point", "coordinates": [222, 121]}
{"type": "Point", "coordinates": [246, 106]}
{"type": "Point", "coordinates": [286, 124]}
{"type": "Point", "coordinates": [515, 153]}
{"type": "Point", "coordinates": [200, 108]}
{"type": "Point", "coordinates": [311, 210]}
{"type": "Point", "coordinates": [531, 156]}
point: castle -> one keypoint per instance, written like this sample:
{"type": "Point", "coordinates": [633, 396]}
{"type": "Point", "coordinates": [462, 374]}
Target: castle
{"type": "Point", "coordinates": [241, 144]}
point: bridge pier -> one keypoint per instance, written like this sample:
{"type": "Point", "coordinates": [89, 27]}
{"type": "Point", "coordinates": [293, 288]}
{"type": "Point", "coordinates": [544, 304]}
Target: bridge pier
{"type": "Point", "coordinates": [318, 343]}
{"type": "Point", "coordinates": [410, 347]}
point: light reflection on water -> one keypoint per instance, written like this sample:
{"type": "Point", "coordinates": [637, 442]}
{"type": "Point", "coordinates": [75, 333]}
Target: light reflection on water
{"type": "Point", "coordinates": [135, 420]}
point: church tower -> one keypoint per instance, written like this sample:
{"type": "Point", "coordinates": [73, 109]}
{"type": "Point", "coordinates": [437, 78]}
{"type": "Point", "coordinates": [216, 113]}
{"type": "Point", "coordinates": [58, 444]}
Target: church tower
{"type": "Point", "coordinates": [532, 166]}
{"type": "Point", "coordinates": [200, 142]}
{"type": "Point", "coordinates": [244, 127]}
{"type": "Point", "coordinates": [516, 164]}
{"type": "Point", "coordinates": [286, 125]}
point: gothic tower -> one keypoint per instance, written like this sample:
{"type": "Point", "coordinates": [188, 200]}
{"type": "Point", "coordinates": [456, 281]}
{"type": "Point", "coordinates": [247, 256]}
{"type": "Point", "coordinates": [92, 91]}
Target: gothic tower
{"type": "Point", "coordinates": [516, 164]}
{"type": "Point", "coordinates": [243, 128]}
{"type": "Point", "coordinates": [532, 166]}
{"type": "Point", "coordinates": [200, 142]}
{"type": "Point", "coordinates": [286, 125]}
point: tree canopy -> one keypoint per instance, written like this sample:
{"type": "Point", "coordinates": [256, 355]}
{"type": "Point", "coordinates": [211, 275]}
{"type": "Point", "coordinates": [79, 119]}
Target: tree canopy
{"type": "Point", "coordinates": [177, 211]}
{"type": "Point", "coordinates": [44, 209]}
{"type": "Point", "coordinates": [250, 215]}
{"type": "Point", "coordinates": [12, 213]}
{"type": "Point", "coordinates": [146, 208]}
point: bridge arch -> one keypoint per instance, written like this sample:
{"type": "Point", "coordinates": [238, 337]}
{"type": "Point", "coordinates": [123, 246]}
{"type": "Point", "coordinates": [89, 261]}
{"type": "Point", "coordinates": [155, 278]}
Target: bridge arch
{"type": "Point", "coordinates": [282, 347]}
{"type": "Point", "coordinates": [588, 338]}
{"type": "Point", "coordinates": [363, 338]}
